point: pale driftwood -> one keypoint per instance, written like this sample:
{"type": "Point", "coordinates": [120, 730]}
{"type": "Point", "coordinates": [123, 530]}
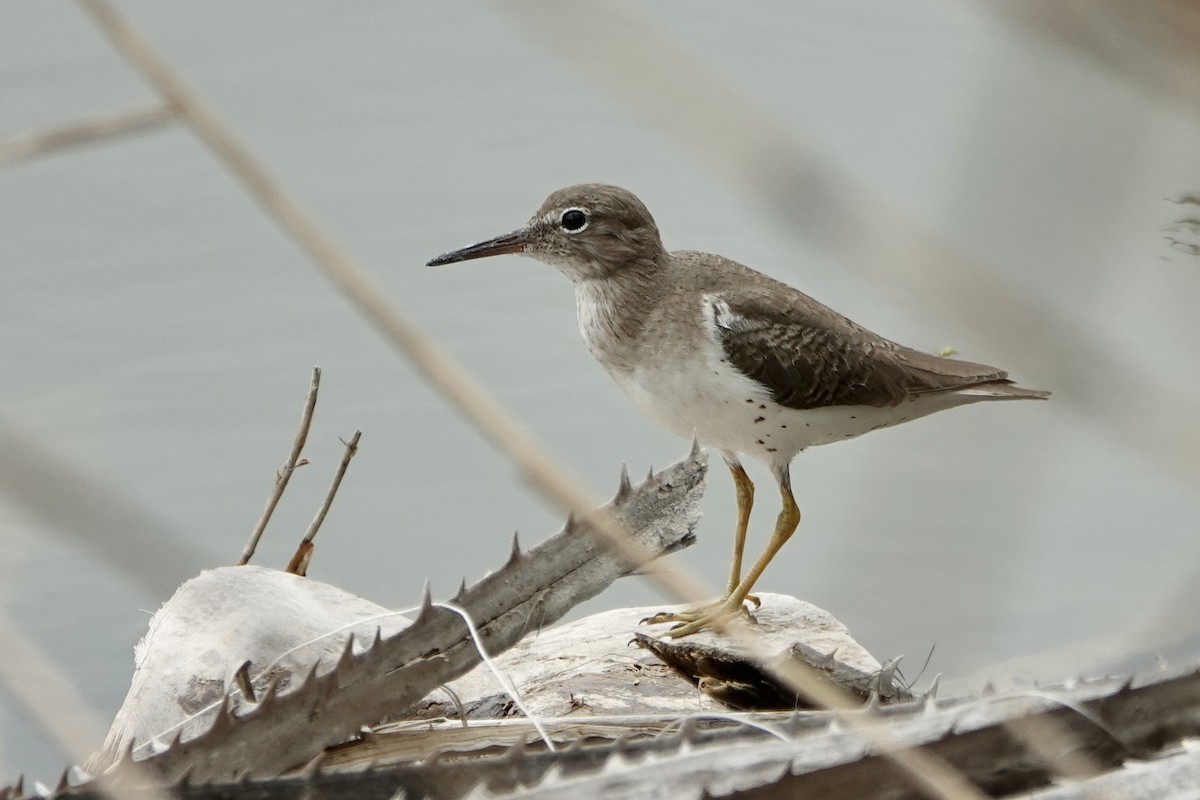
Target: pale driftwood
{"type": "Point", "coordinates": [592, 667]}
{"type": "Point", "coordinates": [303, 710]}
{"type": "Point", "coordinates": [810, 755]}
{"type": "Point", "coordinates": [784, 630]}
{"type": "Point", "coordinates": [587, 679]}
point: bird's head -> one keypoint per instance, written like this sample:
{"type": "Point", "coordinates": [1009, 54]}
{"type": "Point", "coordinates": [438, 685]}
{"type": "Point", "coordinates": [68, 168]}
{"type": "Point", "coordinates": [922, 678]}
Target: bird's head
{"type": "Point", "coordinates": [588, 231]}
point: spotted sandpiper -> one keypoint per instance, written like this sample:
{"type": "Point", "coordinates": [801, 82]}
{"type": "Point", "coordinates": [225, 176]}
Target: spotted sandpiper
{"type": "Point", "coordinates": [710, 348]}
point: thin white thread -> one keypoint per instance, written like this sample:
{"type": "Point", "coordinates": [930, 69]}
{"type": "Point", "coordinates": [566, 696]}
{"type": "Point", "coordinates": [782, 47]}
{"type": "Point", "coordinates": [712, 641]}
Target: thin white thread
{"type": "Point", "coordinates": [1073, 706]}
{"type": "Point", "coordinates": [505, 682]}
{"type": "Point", "coordinates": [1039, 694]}
{"type": "Point", "coordinates": [749, 723]}
{"type": "Point", "coordinates": [339, 629]}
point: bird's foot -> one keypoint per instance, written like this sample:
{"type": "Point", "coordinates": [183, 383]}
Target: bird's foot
{"type": "Point", "coordinates": [710, 617]}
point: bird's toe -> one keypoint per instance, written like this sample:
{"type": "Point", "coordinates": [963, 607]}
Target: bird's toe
{"type": "Point", "coordinates": [714, 617]}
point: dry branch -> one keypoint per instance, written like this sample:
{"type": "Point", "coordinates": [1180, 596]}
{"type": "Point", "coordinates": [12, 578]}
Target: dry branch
{"type": "Point", "coordinates": [284, 475]}
{"type": "Point", "coordinates": [299, 563]}
{"type": "Point", "coordinates": [1143, 733]}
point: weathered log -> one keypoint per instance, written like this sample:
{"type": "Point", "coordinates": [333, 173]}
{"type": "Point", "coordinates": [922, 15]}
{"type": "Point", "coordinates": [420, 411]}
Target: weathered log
{"type": "Point", "coordinates": [592, 668]}
{"type": "Point", "coordinates": [785, 629]}
{"type": "Point", "coordinates": [1132, 730]}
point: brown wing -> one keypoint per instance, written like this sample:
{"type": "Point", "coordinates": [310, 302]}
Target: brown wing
{"type": "Point", "coordinates": [809, 356]}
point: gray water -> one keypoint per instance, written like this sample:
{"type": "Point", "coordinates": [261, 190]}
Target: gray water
{"type": "Point", "coordinates": [158, 331]}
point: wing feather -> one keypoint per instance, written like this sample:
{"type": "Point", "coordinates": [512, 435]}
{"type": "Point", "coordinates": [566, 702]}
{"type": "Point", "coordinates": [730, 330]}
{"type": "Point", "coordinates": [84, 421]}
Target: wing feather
{"type": "Point", "coordinates": [809, 356]}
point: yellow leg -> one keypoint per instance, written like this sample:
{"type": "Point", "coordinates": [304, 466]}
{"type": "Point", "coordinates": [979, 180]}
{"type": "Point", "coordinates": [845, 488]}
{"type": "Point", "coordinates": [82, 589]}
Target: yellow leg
{"type": "Point", "coordinates": [745, 501]}
{"type": "Point", "coordinates": [785, 525]}
{"type": "Point", "coordinates": [731, 606]}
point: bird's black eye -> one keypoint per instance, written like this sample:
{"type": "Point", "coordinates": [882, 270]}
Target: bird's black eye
{"type": "Point", "coordinates": [573, 220]}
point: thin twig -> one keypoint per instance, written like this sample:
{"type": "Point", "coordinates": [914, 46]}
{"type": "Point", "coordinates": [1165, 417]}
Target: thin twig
{"type": "Point", "coordinates": [554, 480]}
{"type": "Point", "coordinates": [299, 563]}
{"type": "Point", "coordinates": [284, 475]}
{"type": "Point", "coordinates": [502, 677]}
{"type": "Point", "coordinates": [76, 134]}
{"type": "Point", "coordinates": [351, 451]}
{"type": "Point", "coordinates": [458, 704]}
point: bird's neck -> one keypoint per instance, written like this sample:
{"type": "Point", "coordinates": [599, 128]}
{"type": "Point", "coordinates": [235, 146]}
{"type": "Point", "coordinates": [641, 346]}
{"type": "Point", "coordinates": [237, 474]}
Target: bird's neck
{"type": "Point", "coordinates": [613, 312]}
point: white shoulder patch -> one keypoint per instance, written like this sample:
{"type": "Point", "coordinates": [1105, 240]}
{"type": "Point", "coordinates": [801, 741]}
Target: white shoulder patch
{"type": "Point", "coordinates": [718, 313]}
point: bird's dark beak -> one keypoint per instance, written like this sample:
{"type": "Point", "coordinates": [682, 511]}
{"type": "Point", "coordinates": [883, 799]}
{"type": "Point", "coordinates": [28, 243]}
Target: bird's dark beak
{"type": "Point", "coordinates": [508, 243]}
